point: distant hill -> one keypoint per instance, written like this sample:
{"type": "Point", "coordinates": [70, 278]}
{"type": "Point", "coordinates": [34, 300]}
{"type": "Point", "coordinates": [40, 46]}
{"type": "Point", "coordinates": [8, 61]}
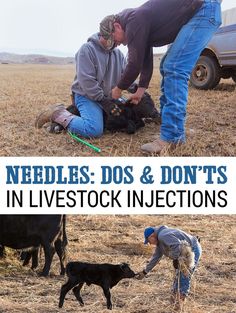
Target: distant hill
{"type": "Point", "coordinates": [12, 58]}
{"type": "Point", "coordinates": [6, 57]}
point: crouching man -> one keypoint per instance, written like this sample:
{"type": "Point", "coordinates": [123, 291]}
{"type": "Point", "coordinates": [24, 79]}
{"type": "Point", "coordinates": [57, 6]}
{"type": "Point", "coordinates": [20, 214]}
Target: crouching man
{"type": "Point", "coordinates": [185, 251]}
{"type": "Point", "coordinates": [99, 66]}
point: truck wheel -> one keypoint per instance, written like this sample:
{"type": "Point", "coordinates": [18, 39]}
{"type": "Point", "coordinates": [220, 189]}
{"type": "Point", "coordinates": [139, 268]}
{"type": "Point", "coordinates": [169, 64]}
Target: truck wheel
{"type": "Point", "coordinates": [206, 73]}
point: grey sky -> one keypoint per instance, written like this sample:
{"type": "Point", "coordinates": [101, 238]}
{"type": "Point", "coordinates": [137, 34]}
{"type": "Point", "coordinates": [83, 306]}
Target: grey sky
{"type": "Point", "coordinates": [56, 26]}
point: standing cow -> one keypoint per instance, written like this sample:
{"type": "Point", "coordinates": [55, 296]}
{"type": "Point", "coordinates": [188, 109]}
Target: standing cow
{"type": "Point", "coordinates": [2, 251]}
{"type": "Point", "coordinates": [31, 231]}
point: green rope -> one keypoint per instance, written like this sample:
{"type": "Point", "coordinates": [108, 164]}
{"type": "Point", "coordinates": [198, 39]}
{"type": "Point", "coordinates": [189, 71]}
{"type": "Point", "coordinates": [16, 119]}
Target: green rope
{"type": "Point", "coordinates": [84, 142]}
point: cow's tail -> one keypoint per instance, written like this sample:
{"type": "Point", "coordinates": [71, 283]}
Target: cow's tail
{"type": "Point", "coordinates": [64, 235]}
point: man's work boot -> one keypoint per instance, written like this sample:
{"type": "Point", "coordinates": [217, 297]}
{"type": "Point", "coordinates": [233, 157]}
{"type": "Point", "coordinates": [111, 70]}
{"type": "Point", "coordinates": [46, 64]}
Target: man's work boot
{"type": "Point", "coordinates": [158, 146]}
{"type": "Point", "coordinates": [55, 113]}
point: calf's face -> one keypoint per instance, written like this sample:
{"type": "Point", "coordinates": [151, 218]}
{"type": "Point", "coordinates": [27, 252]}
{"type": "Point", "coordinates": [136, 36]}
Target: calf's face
{"type": "Point", "coordinates": [127, 272]}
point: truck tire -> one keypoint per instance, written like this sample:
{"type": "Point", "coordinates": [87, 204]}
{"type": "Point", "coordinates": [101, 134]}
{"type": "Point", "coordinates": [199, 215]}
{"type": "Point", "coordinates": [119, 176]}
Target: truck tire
{"type": "Point", "coordinates": [206, 73]}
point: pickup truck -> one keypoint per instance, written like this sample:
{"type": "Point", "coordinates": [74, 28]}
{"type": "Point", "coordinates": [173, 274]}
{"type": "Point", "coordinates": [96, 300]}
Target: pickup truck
{"type": "Point", "coordinates": [217, 60]}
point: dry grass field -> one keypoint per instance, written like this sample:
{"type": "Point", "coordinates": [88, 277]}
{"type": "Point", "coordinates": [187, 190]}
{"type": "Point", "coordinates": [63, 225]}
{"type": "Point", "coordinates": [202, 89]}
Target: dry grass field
{"type": "Point", "coordinates": [118, 239]}
{"type": "Point", "coordinates": [25, 90]}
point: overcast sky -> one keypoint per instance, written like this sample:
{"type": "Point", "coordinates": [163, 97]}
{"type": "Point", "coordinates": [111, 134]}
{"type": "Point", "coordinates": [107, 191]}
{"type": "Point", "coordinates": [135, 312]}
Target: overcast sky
{"type": "Point", "coordinates": [57, 27]}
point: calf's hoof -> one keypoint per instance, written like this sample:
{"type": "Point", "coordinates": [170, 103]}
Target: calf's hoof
{"type": "Point", "coordinates": [60, 305]}
{"type": "Point", "coordinates": [43, 274]}
{"type": "Point", "coordinates": [62, 272]}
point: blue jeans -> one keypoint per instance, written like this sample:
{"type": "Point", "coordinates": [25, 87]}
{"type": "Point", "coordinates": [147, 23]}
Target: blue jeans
{"type": "Point", "coordinates": [177, 65]}
{"type": "Point", "coordinates": [182, 283]}
{"type": "Point", "coordinates": [90, 122]}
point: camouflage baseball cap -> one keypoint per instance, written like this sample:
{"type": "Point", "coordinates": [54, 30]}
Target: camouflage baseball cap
{"type": "Point", "coordinates": [107, 28]}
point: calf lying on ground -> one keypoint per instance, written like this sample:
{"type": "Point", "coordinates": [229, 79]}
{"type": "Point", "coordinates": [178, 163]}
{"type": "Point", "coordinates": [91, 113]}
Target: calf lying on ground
{"type": "Point", "coordinates": [131, 116]}
{"type": "Point", "coordinates": [129, 119]}
{"type": "Point", "coordinates": [104, 275]}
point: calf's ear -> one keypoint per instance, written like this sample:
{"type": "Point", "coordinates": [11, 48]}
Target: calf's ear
{"type": "Point", "coordinates": [123, 266]}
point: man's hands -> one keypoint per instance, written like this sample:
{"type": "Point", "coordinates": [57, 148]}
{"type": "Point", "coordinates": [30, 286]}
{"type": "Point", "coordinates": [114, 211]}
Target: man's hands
{"type": "Point", "coordinates": [137, 96]}
{"type": "Point", "coordinates": [110, 106]}
{"type": "Point", "coordinates": [141, 275]}
{"type": "Point", "coordinates": [134, 98]}
{"type": "Point", "coordinates": [116, 93]}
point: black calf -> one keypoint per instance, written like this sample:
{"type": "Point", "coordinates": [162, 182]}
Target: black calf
{"type": "Point", "coordinates": [126, 121]}
{"type": "Point", "coordinates": [129, 119]}
{"type": "Point", "coordinates": [104, 275]}
{"type": "Point", "coordinates": [2, 251]}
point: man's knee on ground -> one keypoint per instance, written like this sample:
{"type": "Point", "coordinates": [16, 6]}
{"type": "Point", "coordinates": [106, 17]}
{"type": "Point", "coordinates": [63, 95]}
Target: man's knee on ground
{"type": "Point", "coordinates": [94, 132]}
{"type": "Point", "coordinates": [86, 128]}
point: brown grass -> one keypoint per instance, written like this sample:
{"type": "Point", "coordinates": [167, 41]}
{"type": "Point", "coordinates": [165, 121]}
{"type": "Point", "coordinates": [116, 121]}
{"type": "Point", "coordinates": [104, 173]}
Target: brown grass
{"type": "Point", "coordinates": [120, 239]}
{"type": "Point", "coordinates": [25, 90]}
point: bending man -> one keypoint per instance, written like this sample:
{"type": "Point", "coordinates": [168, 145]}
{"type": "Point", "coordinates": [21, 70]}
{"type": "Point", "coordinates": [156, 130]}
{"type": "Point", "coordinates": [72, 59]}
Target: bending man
{"type": "Point", "coordinates": [188, 25]}
{"type": "Point", "coordinates": [182, 248]}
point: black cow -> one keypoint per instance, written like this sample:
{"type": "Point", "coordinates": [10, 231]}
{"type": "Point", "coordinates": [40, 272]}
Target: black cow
{"type": "Point", "coordinates": [33, 231]}
{"type": "Point", "coordinates": [129, 118]}
{"type": "Point", "coordinates": [2, 251]}
{"type": "Point", "coordinates": [104, 275]}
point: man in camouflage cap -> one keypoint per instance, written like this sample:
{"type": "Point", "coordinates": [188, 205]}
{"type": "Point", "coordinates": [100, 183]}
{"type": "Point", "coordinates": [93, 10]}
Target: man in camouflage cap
{"type": "Point", "coordinates": [107, 28]}
{"type": "Point", "coordinates": [188, 25]}
{"type": "Point", "coordinates": [91, 88]}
